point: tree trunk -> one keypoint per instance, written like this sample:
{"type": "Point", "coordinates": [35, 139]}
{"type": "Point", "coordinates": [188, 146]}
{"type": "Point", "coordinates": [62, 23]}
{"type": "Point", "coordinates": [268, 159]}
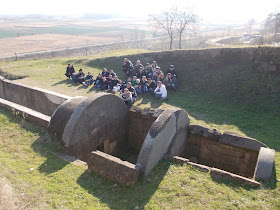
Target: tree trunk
{"type": "Point", "coordinates": [171, 42]}
{"type": "Point", "coordinates": [180, 40]}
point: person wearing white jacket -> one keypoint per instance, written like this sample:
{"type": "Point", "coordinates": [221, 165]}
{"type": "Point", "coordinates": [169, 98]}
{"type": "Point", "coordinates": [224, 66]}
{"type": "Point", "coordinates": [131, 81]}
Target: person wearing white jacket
{"type": "Point", "coordinates": [160, 91]}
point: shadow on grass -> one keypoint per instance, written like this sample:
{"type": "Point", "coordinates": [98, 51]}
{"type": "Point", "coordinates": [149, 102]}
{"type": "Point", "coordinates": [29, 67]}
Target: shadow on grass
{"type": "Point", "coordinates": [66, 81]}
{"type": "Point", "coordinates": [119, 197]}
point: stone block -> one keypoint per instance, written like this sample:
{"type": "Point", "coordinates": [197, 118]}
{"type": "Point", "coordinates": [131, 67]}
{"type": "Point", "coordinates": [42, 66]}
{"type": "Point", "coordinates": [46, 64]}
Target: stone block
{"type": "Point", "coordinates": [212, 134]}
{"type": "Point", "coordinates": [217, 173]}
{"type": "Point", "coordinates": [113, 168]}
{"type": "Point", "coordinates": [265, 164]}
{"type": "Point", "coordinates": [160, 137]}
{"type": "Point", "coordinates": [241, 141]}
{"type": "Point", "coordinates": [2, 88]}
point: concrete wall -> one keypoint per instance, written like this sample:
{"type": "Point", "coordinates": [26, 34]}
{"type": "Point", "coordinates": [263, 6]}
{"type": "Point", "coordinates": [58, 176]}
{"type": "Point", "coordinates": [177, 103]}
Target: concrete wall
{"type": "Point", "coordinates": [237, 154]}
{"type": "Point", "coordinates": [139, 124]}
{"type": "Point", "coordinates": [34, 98]}
{"type": "Point", "coordinates": [161, 137]}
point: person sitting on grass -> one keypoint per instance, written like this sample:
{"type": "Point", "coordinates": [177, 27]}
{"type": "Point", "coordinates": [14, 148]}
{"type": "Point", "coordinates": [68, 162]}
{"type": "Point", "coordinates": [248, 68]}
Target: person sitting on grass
{"type": "Point", "coordinates": [161, 77]}
{"type": "Point", "coordinates": [137, 67]}
{"type": "Point", "coordinates": [98, 81]}
{"type": "Point", "coordinates": [126, 96]}
{"type": "Point", "coordinates": [148, 70]}
{"type": "Point", "coordinates": [169, 82]}
{"type": "Point", "coordinates": [141, 72]}
{"type": "Point", "coordinates": [160, 92]}
{"type": "Point", "coordinates": [80, 77]}
{"type": "Point", "coordinates": [109, 86]}
{"type": "Point", "coordinates": [133, 92]}
{"type": "Point", "coordinates": [157, 74]}
{"type": "Point", "coordinates": [88, 80]}
{"type": "Point", "coordinates": [154, 66]}
{"type": "Point", "coordinates": [105, 73]}
{"type": "Point", "coordinates": [172, 71]}
{"type": "Point", "coordinates": [115, 85]}
{"type": "Point", "coordinates": [104, 84]}
{"type": "Point", "coordinates": [151, 85]}
{"type": "Point", "coordinates": [69, 71]}
{"type": "Point", "coordinates": [143, 85]}
{"type": "Point", "coordinates": [112, 73]}
{"type": "Point", "coordinates": [133, 82]}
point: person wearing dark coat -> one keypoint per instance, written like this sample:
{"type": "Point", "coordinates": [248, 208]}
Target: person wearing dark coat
{"type": "Point", "coordinates": [80, 77]}
{"type": "Point", "coordinates": [70, 70]}
{"type": "Point", "coordinates": [172, 71]}
{"type": "Point", "coordinates": [98, 81]}
{"type": "Point", "coordinates": [127, 68]}
{"type": "Point", "coordinates": [151, 85]}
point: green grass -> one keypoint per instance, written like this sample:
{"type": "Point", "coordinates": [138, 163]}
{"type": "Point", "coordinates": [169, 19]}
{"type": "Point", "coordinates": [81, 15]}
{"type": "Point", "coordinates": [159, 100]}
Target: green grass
{"type": "Point", "coordinates": [57, 184]}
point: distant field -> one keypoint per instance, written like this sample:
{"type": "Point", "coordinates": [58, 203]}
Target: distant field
{"type": "Point", "coordinates": [32, 36]}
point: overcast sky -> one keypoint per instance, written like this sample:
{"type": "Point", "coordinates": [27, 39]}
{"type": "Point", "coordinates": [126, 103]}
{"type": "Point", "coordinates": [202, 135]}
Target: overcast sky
{"type": "Point", "coordinates": [220, 11]}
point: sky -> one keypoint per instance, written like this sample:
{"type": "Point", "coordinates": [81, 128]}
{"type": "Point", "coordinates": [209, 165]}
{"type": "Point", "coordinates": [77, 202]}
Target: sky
{"type": "Point", "coordinates": [219, 11]}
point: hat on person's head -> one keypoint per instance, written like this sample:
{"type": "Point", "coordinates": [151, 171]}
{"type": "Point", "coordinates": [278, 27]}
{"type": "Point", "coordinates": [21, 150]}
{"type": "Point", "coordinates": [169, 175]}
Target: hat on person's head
{"type": "Point", "coordinates": [141, 67]}
{"type": "Point", "coordinates": [147, 64]}
{"type": "Point", "coordinates": [171, 66]}
{"type": "Point", "coordinates": [129, 83]}
{"type": "Point", "coordinates": [159, 82]}
{"type": "Point", "coordinates": [158, 67]}
{"type": "Point", "coordinates": [168, 73]}
{"type": "Point", "coordinates": [154, 62]}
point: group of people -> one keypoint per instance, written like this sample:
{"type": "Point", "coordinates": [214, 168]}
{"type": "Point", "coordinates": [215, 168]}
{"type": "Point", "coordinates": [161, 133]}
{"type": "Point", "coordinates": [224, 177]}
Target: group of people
{"type": "Point", "coordinates": [139, 80]}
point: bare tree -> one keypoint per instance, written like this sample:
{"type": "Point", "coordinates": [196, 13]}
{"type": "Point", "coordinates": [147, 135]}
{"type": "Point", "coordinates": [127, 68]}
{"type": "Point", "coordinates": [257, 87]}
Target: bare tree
{"type": "Point", "coordinates": [249, 26]}
{"type": "Point", "coordinates": [165, 21]}
{"type": "Point", "coordinates": [185, 19]}
{"type": "Point", "coordinates": [272, 23]}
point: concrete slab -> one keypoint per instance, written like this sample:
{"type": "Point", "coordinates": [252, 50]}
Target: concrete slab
{"type": "Point", "coordinates": [160, 137]}
{"type": "Point", "coordinates": [265, 164]}
{"type": "Point", "coordinates": [241, 141]}
{"type": "Point", "coordinates": [26, 113]}
{"type": "Point", "coordinates": [113, 168]}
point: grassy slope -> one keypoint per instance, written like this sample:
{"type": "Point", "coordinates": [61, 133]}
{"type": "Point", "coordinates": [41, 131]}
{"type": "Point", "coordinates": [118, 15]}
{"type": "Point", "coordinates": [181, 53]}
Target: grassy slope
{"type": "Point", "coordinates": [175, 186]}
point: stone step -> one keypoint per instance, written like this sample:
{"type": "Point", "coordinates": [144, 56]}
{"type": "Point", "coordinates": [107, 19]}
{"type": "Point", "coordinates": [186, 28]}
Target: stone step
{"type": "Point", "coordinates": [26, 113]}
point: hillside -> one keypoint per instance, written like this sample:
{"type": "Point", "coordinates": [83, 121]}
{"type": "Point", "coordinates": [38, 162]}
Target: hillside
{"type": "Point", "coordinates": [229, 89]}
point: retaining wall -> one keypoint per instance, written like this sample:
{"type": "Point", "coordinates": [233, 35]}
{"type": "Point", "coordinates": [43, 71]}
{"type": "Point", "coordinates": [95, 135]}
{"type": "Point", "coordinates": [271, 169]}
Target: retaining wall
{"type": "Point", "coordinates": [40, 100]}
{"type": "Point", "coordinates": [227, 151]}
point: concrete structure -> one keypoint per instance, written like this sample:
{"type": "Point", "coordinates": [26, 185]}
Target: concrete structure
{"type": "Point", "coordinates": [40, 100]}
{"type": "Point", "coordinates": [90, 122]}
{"type": "Point", "coordinates": [164, 132]}
{"type": "Point", "coordinates": [113, 168]}
{"type": "Point", "coordinates": [265, 164]}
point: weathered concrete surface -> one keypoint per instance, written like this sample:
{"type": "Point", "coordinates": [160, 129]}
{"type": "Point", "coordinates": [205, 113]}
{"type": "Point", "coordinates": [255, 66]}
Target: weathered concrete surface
{"type": "Point", "coordinates": [217, 173]}
{"type": "Point", "coordinates": [241, 141]}
{"type": "Point", "coordinates": [139, 124]}
{"type": "Point", "coordinates": [2, 90]}
{"type": "Point", "coordinates": [63, 113]}
{"type": "Point", "coordinates": [205, 147]}
{"type": "Point", "coordinates": [37, 99]}
{"type": "Point", "coordinates": [71, 159]}
{"type": "Point", "coordinates": [212, 134]}
{"type": "Point", "coordinates": [26, 113]}
{"type": "Point", "coordinates": [160, 137]}
{"type": "Point", "coordinates": [95, 120]}
{"type": "Point", "coordinates": [265, 164]}
{"type": "Point", "coordinates": [113, 168]}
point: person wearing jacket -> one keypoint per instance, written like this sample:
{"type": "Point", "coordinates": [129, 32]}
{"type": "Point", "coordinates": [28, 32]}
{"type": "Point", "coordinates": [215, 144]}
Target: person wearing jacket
{"type": "Point", "coordinates": [69, 70]}
{"type": "Point", "coordinates": [160, 92]}
{"type": "Point", "coordinates": [127, 67]}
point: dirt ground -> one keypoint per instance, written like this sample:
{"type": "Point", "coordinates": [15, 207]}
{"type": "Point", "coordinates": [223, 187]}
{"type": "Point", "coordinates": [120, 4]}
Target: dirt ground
{"type": "Point", "coordinates": [47, 42]}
